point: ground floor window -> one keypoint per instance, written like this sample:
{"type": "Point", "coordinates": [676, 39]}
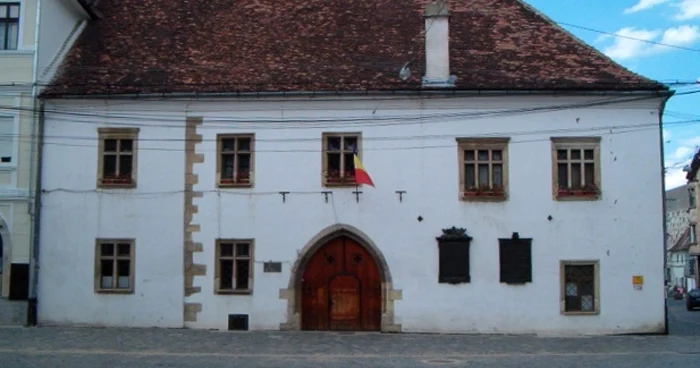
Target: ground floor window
{"type": "Point", "coordinates": [580, 287]}
{"type": "Point", "coordinates": [114, 266]}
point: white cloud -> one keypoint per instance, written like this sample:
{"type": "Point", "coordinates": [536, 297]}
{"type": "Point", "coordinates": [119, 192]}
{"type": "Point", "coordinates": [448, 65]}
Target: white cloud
{"type": "Point", "coordinates": [688, 9]}
{"type": "Point", "coordinates": [667, 134]}
{"type": "Point", "coordinates": [628, 48]}
{"type": "Point", "coordinates": [644, 5]}
{"type": "Point", "coordinates": [675, 178]}
{"type": "Point", "coordinates": [683, 153]}
{"type": "Point", "coordinates": [625, 48]}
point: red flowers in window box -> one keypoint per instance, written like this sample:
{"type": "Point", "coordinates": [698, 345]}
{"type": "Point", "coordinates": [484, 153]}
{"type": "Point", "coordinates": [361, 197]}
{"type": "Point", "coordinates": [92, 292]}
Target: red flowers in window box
{"type": "Point", "coordinates": [117, 179]}
{"type": "Point", "coordinates": [334, 177]}
{"type": "Point", "coordinates": [238, 178]}
{"type": "Point", "coordinates": [588, 190]}
{"type": "Point", "coordinates": [485, 191]}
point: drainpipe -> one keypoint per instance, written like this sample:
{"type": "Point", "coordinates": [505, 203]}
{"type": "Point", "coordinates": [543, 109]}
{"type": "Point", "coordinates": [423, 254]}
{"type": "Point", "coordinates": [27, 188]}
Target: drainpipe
{"type": "Point", "coordinates": [34, 250]}
{"type": "Point", "coordinates": [34, 171]}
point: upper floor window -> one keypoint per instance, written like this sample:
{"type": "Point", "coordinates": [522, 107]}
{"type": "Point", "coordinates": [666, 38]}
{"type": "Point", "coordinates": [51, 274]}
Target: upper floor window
{"type": "Point", "coordinates": [9, 26]}
{"type": "Point", "coordinates": [693, 234]}
{"type": "Point", "coordinates": [7, 139]}
{"type": "Point", "coordinates": [118, 153]}
{"type": "Point", "coordinates": [235, 160]}
{"type": "Point", "coordinates": [339, 151]}
{"type": "Point", "coordinates": [691, 197]}
{"type": "Point", "coordinates": [576, 169]}
{"type": "Point", "coordinates": [483, 168]}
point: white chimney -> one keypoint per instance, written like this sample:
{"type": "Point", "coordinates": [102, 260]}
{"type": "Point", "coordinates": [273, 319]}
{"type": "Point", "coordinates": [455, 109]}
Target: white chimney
{"type": "Point", "coordinates": [437, 46]}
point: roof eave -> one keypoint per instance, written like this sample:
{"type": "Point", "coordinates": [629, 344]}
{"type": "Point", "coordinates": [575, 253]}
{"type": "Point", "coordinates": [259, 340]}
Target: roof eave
{"type": "Point", "coordinates": [89, 7]}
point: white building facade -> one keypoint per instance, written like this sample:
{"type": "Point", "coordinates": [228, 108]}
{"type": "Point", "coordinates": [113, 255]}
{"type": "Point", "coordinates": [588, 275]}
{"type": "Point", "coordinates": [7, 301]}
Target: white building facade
{"type": "Point", "coordinates": [585, 249]}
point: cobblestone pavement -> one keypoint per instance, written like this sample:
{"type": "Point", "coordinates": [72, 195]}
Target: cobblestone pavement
{"type": "Point", "coordinates": [134, 348]}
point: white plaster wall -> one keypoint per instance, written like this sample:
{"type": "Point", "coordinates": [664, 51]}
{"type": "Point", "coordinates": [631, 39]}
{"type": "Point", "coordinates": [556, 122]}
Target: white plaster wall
{"type": "Point", "coordinates": [623, 230]}
{"type": "Point", "coordinates": [74, 214]}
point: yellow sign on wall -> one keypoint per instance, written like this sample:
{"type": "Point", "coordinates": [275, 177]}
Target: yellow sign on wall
{"type": "Point", "coordinates": [637, 282]}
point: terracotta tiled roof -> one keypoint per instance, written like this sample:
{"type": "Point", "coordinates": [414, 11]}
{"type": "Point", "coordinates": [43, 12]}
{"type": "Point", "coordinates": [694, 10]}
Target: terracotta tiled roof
{"type": "Point", "coordinates": [162, 46]}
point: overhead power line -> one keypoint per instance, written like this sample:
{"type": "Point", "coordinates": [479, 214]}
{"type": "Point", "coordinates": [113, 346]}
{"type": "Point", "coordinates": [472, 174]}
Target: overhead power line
{"type": "Point", "coordinates": [629, 37]}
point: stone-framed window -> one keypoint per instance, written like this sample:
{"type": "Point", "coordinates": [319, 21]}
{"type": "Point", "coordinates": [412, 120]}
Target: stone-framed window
{"type": "Point", "coordinates": [235, 160]}
{"type": "Point", "coordinates": [234, 266]}
{"type": "Point", "coordinates": [114, 265]}
{"type": "Point", "coordinates": [118, 152]}
{"type": "Point", "coordinates": [7, 140]}
{"type": "Point", "coordinates": [338, 158]}
{"type": "Point", "coordinates": [576, 168]}
{"type": "Point", "coordinates": [483, 168]}
{"type": "Point", "coordinates": [580, 287]}
{"type": "Point", "coordinates": [9, 25]}
{"type": "Point", "coordinates": [692, 199]}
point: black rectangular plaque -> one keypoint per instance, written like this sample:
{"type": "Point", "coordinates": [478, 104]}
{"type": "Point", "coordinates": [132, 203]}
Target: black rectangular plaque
{"type": "Point", "coordinates": [272, 267]}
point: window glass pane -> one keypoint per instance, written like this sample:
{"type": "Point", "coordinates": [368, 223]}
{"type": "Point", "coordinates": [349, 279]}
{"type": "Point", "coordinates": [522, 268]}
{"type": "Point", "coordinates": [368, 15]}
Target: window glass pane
{"type": "Point", "coordinates": [244, 163]}
{"type": "Point", "coordinates": [562, 155]}
{"type": "Point", "coordinates": [242, 250]}
{"type": "Point", "coordinates": [3, 33]}
{"type": "Point", "coordinates": [109, 166]}
{"type": "Point", "coordinates": [563, 175]}
{"type": "Point", "coordinates": [126, 145]}
{"type": "Point", "coordinates": [589, 170]}
{"type": "Point", "coordinates": [227, 166]}
{"type": "Point", "coordinates": [12, 36]}
{"type": "Point", "coordinates": [243, 144]}
{"type": "Point", "coordinates": [106, 267]}
{"type": "Point", "coordinates": [14, 11]}
{"type": "Point", "coordinates": [575, 154]}
{"type": "Point", "coordinates": [107, 249]}
{"type": "Point", "coordinates": [226, 280]}
{"type": "Point", "coordinates": [483, 175]}
{"type": "Point", "coordinates": [498, 175]}
{"type": "Point", "coordinates": [576, 176]}
{"type": "Point", "coordinates": [483, 155]}
{"type": "Point", "coordinates": [350, 144]}
{"type": "Point", "coordinates": [226, 249]}
{"type": "Point", "coordinates": [228, 145]}
{"type": "Point", "coordinates": [242, 274]}
{"type": "Point", "coordinates": [497, 155]}
{"type": "Point", "coordinates": [334, 164]}
{"type": "Point", "coordinates": [3, 11]}
{"type": "Point", "coordinates": [333, 144]}
{"type": "Point", "coordinates": [469, 176]}
{"type": "Point", "coordinates": [349, 164]}
{"type": "Point", "coordinates": [123, 267]}
{"type": "Point", "coordinates": [110, 145]}
{"type": "Point", "coordinates": [125, 165]}
{"type": "Point", "coordinates": [469, 155]}
{"type": "Point", "coordinates": [123, 282]}
{"type": "Point", "coordinates": [588, 154]}
{"type": "Point", "coordinates": [124, 249]}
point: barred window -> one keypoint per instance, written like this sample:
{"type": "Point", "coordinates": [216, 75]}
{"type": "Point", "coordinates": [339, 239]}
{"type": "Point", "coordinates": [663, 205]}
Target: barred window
{"type": "Point", "coordinates": [580, 287]}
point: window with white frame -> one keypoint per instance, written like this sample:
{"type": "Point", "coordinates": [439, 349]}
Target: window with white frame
{"type": "Point", "coordinates": [7, 139]}
{"type": "Point", "coordinates": [9, 26]}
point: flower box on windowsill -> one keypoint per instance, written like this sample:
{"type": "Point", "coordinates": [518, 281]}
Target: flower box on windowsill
{"type": "Point", "coordinates": [338, 180]}
{"type": "Point", "coordinates": [586, 193]}
{"type": "Point", "coordinates": [241, 180]}
{"type": "Point", "coordinates": [118, 181]}
{"type": "Point", "coordinates": [484, 194]}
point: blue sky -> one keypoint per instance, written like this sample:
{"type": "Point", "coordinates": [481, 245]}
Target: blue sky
{"type": "Point", "coordinates": [674, 22]}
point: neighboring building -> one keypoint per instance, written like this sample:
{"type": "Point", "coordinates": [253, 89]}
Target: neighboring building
{"type": "Point", "coordinates": [693, 190]}
{"type": "Point", "coordinates": [680, 264]}
{"type": "Point", "coordinates": [677, 226]}
{"type": "Point", "coordinates": [26, 52]}
{"type": "Point", "coordinates": [199, 169]}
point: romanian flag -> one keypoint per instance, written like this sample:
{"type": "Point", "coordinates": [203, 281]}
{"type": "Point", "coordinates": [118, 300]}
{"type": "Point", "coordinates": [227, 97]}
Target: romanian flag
{"type": "Point", "coordinates": [361, 175]}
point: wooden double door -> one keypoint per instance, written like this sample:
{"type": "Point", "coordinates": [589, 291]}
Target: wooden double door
{"type": "Point", "coordinates": [341, 289]}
